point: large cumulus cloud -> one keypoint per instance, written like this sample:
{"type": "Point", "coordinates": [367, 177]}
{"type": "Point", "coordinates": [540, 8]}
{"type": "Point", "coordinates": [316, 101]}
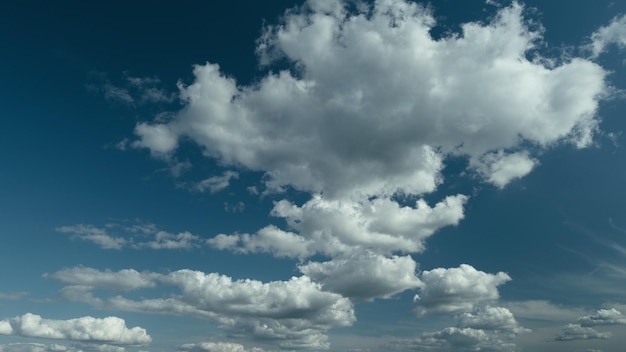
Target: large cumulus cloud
{"type": "Point", "coordinates": [374, 103]}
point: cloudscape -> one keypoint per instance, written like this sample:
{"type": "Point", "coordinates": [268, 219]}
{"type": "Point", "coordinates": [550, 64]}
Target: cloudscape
{"type": "Point", "coordinates": [319, 175]}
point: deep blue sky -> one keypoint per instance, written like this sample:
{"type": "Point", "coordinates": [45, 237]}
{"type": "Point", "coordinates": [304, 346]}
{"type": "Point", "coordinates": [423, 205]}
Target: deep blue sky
{"type": "Point", "coordinates": [67, 156]}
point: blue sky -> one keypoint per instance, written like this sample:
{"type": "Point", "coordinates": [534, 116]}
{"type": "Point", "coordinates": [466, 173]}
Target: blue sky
{"type": "Point", "coordinates": [320, 175]}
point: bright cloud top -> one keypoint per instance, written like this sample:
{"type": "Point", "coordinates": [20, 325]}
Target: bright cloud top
{"type": "Point", "coordinates": [110, 330]}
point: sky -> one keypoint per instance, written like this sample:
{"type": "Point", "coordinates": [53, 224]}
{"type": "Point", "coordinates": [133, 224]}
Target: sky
{"type": "Point", "coordinates": [318, 175]}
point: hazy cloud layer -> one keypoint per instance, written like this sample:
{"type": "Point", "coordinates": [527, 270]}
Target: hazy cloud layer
{"type": "Point", "coordinates": [293, 313]}
{"type": "Point", "coordinates": [136, 236]}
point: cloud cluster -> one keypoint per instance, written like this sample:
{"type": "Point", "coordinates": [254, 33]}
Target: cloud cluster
{"type": "Point", "coordinates": [583, 329]}
{"type": "Point", "coordinates": [334, 227]}
{"type": "Point", "coordinates": [293, 313]}
{"type": "Point", "coordinates": [487, 328]}
{"type": "Point", "coordinates": [217, 347]}
{"type": "Point", "coordinates": [109, 330]}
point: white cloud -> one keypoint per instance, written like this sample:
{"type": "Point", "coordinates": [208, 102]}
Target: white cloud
{"type": "Point", "coordinates": [380, 224]}
{"type": "Point", "coordinates": [217, 183]}
{"type": "Point", "coordinates": [577, 332]}
{"type": "Point", "coordinates": [291, 313]}
{"type": "Point", "coordinates": [491, 318]}
{"type": "Point", "coordinates": [158, 138]}
{"type": "Point", "coordinates": [603, 317]}
{"type": "Point", "coordinates": [5, 328]}
{"type": "Point", "coordinates": [95, 235]}
{"type": "Point", "coordinates": [110, 330]}
{"type": "Point", "coordinates": [377, 104]}
{"type": "Point", "coordinates": [217, 347]}
{"type": "Point", "coordinates": [457, 290]}
{"type": "Point", "coordinates": [269, 239]}
{"type": "Point", "coordinates": [333, 227]}
{"type": "Point", "coordinates": [583, 328]}
{"type": "Point", "coordinates": [614, 33]}
{"type": "Point", "coordinates": [364, 275]}
{"type": "Point", "coordinates": [500, 168]}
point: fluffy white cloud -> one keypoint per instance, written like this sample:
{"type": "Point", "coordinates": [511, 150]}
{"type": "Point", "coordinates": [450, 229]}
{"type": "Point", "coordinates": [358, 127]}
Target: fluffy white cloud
{"type": "Point", "coordinates": [377, 104]}
{"type": "Point", "coordinates": [614, 33]}
{"type": "Point", "coordinates": [603, 317]}
{"type": "Point", "coordinates": [457, 290]}
{"type": "Point", "coordinates": [500, 168]}
{"type": "Point", "coordinates": [110, 330]}
{"type": "Point", "coordinates": [216, 347]}
{"type": "Point", "coordinates": [380, 224]}
{"type": "Point", "coordinates": [293, 313]}
{"type": "Point", "coordinates": [5, 328]}
{"type": "Point", "coordinates": [335, 227]}
{"type": "Point", "coordinates": [577, 332]}
{"type": "Point", "coordinates": [364, 275]}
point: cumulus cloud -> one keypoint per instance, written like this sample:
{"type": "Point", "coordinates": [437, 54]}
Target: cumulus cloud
{"type": "Point", "coordinates": [269, 239]}
{"type": "Point", "coordinates": [457, 290]}
{"type": "Point", "coordinates": [293, 313]}
{"type": "Point", "coordinates": [110, 330]}
{"type": "Point", "coordinates": [613, 33]}
{"type": "Point", "coordinates": [487, 328]}
{"type": "Point", "coordinates": [583, 328]}
{"type": "Point", "coordinates": [453, 339]}
{"type": "Point", "coordinates": [377, 104]}
{"type": "Point", "coordinates": [364, 275]}
{"type": "Point", "coordinates": [491, 318]}
{"type": "Point", "coordinates": [217, 347]}
{"type": "Point", "coordinates": [500, 168]}
{"type": "Point", "coordinates": [135, 236]}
